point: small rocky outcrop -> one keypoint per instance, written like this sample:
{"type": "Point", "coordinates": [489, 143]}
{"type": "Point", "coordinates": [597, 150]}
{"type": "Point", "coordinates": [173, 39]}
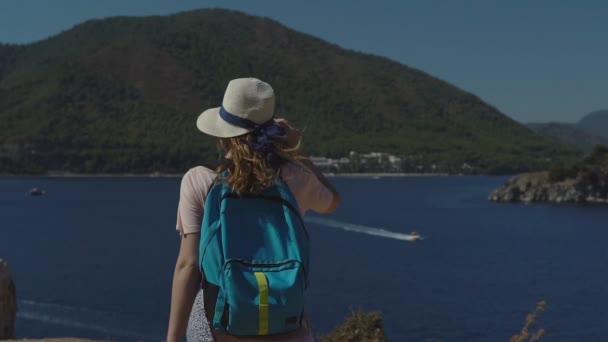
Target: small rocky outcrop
{"type": "Point", "coordinates": [8, 302]}
{"type": "Point", "coordinates": [585, 182]}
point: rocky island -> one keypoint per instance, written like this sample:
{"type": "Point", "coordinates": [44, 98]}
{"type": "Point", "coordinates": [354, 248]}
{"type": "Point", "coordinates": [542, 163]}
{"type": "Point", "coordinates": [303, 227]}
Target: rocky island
{"type": "Point", "coordinates": [583, 182]}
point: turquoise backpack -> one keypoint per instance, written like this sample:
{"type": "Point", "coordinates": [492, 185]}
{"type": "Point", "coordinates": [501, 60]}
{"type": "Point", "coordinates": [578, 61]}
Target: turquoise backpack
{"type": "Point", "coordinates": [254, 255]}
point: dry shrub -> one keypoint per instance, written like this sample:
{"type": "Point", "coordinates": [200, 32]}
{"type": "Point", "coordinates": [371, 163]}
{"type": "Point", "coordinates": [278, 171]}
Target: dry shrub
{"type": "Point", "coordinates": [359, 326]}
{"type": "Point", "coordinates": [525, 335]}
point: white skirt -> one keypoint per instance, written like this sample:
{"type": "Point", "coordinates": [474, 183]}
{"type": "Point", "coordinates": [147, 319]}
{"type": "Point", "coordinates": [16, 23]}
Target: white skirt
{"type": "Point", "coordinates": [198, 327]}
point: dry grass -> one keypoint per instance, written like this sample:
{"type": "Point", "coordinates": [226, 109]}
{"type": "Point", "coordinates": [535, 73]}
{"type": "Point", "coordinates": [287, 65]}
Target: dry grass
{"type": "Point", "coordinates": [526, 335]}
{"type": "Point", "coordinates": [359, 326]}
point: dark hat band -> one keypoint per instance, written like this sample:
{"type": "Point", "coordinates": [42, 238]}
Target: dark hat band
{"type": "Point", "coordinates": [239, 121]}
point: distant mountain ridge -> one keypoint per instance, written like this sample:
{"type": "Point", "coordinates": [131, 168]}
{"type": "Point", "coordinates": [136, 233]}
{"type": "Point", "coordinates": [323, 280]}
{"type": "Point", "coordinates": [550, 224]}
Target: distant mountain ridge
{"type": "Point", "coordinates": [590, 131]}
{"type": "Point", "coordinates": [122, 95]}
{"type": "Point", "coordinates": [596, 123]}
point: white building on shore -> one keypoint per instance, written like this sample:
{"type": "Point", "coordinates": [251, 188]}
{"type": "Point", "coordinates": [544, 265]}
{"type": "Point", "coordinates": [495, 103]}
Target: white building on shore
{"type": "Point", "coordinates": [378, 160]}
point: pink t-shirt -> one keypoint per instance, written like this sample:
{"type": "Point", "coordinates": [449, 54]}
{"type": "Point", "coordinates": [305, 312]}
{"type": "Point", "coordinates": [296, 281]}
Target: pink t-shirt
{"type": "Point", "coordinates": [309, 192]}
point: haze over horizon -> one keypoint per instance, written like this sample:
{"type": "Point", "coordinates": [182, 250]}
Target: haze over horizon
{"type": "Point", "coordinates": [535, 61]}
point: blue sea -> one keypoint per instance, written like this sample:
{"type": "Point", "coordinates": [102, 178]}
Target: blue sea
{"type": "Point", "coordinates": [94, 258]}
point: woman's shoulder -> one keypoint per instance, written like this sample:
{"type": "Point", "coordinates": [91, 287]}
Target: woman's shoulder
{"type": "Point", "coordinates": [199, 176]}
{"type": "Point", "coordinates": [200, 170]}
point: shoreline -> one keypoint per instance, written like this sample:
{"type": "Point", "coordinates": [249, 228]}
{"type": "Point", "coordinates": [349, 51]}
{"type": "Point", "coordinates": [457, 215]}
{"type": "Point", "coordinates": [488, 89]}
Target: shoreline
{"type": "Point", "coordinates": [385, 175]}
{"type": "Point", "coordinates": [179, 175]}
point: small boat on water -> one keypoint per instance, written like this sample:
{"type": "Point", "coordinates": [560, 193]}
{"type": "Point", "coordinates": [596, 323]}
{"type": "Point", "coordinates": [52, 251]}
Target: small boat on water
{"type": "Point", "coordinates": [415, 236]}
{"type": "Point", "coordinates": [36, 192]}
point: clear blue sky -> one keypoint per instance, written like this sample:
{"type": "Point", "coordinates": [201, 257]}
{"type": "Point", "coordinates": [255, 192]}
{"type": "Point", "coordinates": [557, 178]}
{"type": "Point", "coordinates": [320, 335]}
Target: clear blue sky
{"type": "Point", "coordinates": [535, 60]}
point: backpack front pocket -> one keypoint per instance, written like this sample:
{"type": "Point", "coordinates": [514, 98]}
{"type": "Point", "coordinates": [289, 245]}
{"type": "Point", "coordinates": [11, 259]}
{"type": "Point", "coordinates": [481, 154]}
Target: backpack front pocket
{"type": "Point", "coordinates": [262, 298]}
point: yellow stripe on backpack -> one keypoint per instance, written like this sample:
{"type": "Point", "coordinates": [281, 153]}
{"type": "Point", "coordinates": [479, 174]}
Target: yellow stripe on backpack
{"type": "Point", "coordinates": [263, 307]}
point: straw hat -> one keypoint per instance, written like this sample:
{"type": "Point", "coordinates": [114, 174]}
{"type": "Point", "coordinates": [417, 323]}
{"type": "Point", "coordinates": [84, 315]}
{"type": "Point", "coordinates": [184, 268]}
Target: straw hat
{"type": "Point", "coordinates": [248, 103]}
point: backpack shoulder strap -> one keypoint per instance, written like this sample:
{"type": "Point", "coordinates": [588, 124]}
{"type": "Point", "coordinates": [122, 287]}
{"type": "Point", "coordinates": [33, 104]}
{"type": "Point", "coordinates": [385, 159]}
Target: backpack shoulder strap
{"type": "Point", "coordinates": [284, 191]}
{"type": "Point", "coordinates": [209, 228]}
{"type": "Point", "coordinates": [211, 217]}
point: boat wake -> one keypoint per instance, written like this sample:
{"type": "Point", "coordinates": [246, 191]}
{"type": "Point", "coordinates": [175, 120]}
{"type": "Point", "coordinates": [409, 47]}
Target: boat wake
{"type": "Point", "coordinates": [78, 318]}
{"type": "Point", "coordinates": [349, 227]}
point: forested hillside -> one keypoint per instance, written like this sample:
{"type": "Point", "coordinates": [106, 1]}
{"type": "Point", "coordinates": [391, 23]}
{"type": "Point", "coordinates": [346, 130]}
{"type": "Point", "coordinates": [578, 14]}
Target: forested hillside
{"type": "Point", "coordinates": [122, 95]}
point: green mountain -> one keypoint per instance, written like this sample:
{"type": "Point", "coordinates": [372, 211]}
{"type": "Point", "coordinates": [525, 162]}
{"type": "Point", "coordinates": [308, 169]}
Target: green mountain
{"type": "Point", "coordinates": [122, 95]}
{"type": "Point", "coordinates": [568, 133]}
{"type": "Point", "coordinates": [8, 54]}
{"type": "Point", "coordinates": [595, 123]}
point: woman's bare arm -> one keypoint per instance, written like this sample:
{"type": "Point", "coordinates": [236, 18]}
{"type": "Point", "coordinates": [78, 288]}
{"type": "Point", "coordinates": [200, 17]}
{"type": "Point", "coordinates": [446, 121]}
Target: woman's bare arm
{"type": "Point", "coordinates": [336, 198]}
{"type": "Point", "coordinates": [186, 283]}
{"type": "Point", "coordinates": [292, 139]}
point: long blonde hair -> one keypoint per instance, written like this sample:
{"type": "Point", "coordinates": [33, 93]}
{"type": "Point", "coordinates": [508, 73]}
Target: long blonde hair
{"type": "Point", "coordinates": [249, 170]}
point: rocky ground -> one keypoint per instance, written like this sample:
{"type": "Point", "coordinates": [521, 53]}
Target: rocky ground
{"type": "Point", "coordinates": [8, 302]}
{"type": "Point", "coordinates": [54, 340]}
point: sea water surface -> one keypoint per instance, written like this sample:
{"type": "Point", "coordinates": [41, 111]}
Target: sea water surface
{"type": "Point", "coordinates": [94, 258]}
